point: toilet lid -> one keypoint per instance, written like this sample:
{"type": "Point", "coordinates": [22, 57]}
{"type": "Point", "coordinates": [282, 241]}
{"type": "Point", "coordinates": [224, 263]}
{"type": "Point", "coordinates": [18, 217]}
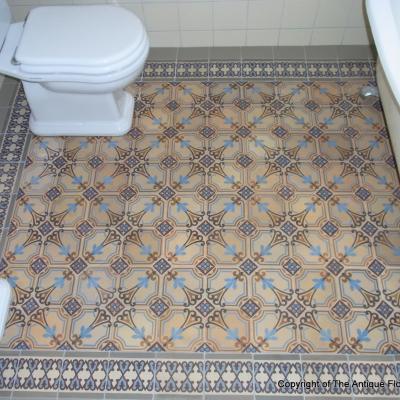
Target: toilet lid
{"type": "Point", "coordinates": [92, 37]}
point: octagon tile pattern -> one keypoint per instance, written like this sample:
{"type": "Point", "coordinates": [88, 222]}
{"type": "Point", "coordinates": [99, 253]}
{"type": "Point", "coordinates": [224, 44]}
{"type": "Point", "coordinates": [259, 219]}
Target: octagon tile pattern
{"type": "Point", "coordinates": [233, 217]}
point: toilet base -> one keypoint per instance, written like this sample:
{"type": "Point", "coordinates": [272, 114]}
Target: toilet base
{"type": "Point", "coordinates": [78, 114]}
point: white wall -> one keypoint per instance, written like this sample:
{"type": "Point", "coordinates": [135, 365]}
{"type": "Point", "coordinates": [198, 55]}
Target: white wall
{"type": "Point", "coordinates": [237, 22]}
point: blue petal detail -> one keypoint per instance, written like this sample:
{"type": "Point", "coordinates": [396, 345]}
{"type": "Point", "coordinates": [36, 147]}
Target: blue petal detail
{"type": "Point", "coordinates": [326, 335]}
{"type": "Point", "coordinates": [85, 332]}
{"type": "Point", "coordinates": [270, 334]}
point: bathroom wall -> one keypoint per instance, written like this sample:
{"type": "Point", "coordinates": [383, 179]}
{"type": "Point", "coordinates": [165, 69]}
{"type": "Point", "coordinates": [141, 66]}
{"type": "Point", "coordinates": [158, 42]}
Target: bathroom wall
{"type": "Point", "coordinates": [195, 23]}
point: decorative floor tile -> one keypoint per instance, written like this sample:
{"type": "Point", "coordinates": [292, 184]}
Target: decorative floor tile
{"type": "Point", "coordinates": [234, 217]}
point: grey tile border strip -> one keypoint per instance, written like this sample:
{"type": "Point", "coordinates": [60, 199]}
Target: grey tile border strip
{"type": "Point", "coordinates": [7, 94]}
{"type": "Point", "coordinates": [4, 116]}
{"type": "Point", "coordinates": [18, 121]}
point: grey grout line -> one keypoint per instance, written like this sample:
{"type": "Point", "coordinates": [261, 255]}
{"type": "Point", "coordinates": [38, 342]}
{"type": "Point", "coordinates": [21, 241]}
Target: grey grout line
{"type": "Point", "coordinates": [350, 376]}
{"type": "Point", "coordinates": [178, 11]}
{"type": "Point", "coordinates": [241, 61]}
{"type": "Point", "coordinates": [9, 212]}
{"type": "Point", "coordinates": [16, 374]}
{"type": "Point", "coordinates": [153, 391]}
{"type": "Point", "coordinates": [278, 40]}
{"type": "Point", "coordinates": [273, 63]}
{"type": "Point", "coordinates": [212, 26]}
{"type": "Point", "coordinates": [61, 373]}
{"type": "Point", "coordinates": [108, 374]}
{"type": "Point", "coordinates": [302, 375]}
{"type": "Point", "coordinates": [141, 74]}
{"type": "Point", "coordinates": [372, 69]}
{"type": "Point", "coordinates": [208, 63]}
{"type": "Point", "coordinates": [247, 22]}
{"type": "Point", "coordinates": [306, 64]}
{"type": "Point", "coordinates": [176, 64]}
{"type": "Point", "coordinates": [314, 22]}
{"type": "Point", "coordinates": [204, 375]}
{"type": "Point", "coordinates": [253, 369]}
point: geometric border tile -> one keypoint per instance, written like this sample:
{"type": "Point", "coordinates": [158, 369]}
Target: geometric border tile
{"type": "Point", "coordinates": [190, 375]}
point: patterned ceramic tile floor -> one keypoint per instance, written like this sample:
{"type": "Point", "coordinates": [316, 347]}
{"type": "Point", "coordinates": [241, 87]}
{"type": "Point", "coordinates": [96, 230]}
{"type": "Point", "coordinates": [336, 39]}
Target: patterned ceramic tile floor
{"type": "Point", "coordinates": [234, 217]}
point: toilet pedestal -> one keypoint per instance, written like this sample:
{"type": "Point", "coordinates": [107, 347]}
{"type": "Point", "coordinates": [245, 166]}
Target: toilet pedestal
{"type": "Point", "coordinates": [85, 114]}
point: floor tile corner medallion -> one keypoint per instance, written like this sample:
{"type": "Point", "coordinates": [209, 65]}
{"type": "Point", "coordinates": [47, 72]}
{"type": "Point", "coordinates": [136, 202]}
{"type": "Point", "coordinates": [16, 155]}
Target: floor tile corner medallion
{"type": "Point", "coordinates": [234, 217]}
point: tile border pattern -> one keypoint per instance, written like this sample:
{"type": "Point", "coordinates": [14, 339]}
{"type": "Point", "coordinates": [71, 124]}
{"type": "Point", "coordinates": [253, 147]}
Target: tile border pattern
{"type": "Point", "coordinates": [246, 376]}
{"type": "Point", "coordinates": [259, 69]}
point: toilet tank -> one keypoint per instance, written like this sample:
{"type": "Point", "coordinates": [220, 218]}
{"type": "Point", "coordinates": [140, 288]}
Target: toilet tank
{"type": "Point", "coordinates": [5, 20]}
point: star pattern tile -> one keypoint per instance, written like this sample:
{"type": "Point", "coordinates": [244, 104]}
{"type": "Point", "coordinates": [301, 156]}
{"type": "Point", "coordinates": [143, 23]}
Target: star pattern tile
{"type": "Point", "coordinates": [234, 217]}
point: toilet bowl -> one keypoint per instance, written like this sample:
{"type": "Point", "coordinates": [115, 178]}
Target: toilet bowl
{"type": "Point", "coordinates": [74, 62]}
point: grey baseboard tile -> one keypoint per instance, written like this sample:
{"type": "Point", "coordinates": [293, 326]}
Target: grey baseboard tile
{"type": "Point", "coordinates": [258, 53]}
{"type": "Point", "coordinates": [228, 396]}
{"type": "Point", "coordinates": [193, 54]}
{"type": "Point", "coordinates": [81, 396]}
{"type": "Point", "coordinates": [7, 94]}
{"type": "Point", "coordinates": [178, 356]}
{"type": "Point", "coordinates": [260, 357]}
{"type": "Point", "coordinates": [162, 54]}
{"type": "Point", "coordinates": [228, 356]}
{"type": "Point", "coordinates": [279, 396]}
{"type": "Point", "coordinates": [289, 53]}
{"type": "Point", "coordinates": [127, 396]}
{"type": "Point", "coordinates": [125, 354]}
{"type": "Point", "coordinates": [323, 357]}
{"type": "Point", "coordinates": [225, 53]}
{"type": "Point", "coordinates": [42, 353]}
{"type": "Point", "coordinates": [8, 80]}
{"type": "Point", "coordinates": [9, 353]}
{"type": "Point", "coordinates": [318, 53]}
{"type": "Point", "coordinates": [78, 354]}
{"type": "Point", "coordinates": [4, 115]}
{"type": "Point", "coordinates": [371, 358]}
{"type": "Point", "coordinates": [355, 52]}
{"type": "Point", "coordinates": [33, 395]}
{"type": "Point", "coordinates": [168, 396]}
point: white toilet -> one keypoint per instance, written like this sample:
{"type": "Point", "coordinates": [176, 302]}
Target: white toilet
{"type": "Point", "coordinates": [74, 62]}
